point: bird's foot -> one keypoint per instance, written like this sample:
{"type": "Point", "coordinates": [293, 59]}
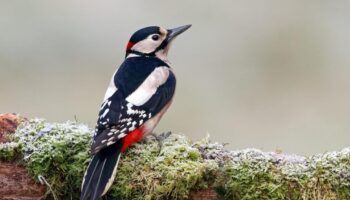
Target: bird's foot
{"type": "Point", "coordinates": [160, 138]}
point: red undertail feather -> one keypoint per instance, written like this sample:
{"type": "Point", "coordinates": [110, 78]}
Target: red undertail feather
{"type": "Point", "coordinates": [132, 137]}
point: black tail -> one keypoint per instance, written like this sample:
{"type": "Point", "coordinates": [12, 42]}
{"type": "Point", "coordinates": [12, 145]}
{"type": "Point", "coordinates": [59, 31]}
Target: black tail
{"type": "Point", "coordinates": [101, 171]}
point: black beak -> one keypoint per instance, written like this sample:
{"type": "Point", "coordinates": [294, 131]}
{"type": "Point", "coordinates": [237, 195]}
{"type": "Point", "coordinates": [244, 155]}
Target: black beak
{"type": "Point", "coordinates": [172, 33]}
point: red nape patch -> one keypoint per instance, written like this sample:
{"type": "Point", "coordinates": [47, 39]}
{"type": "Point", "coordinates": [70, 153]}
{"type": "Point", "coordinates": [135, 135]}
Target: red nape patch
{"type": "Point", "coordinates": [129, 46]}
{"type": "Point", "coordinates": [132, 137]}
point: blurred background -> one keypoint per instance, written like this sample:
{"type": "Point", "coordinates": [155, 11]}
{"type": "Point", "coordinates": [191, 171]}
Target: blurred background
{"type": "Point", "coordinates": [264, 74]}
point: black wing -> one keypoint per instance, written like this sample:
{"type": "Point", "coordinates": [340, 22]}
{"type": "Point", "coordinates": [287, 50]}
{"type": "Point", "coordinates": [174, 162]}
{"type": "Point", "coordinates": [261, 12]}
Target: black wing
{"type": "Point", "coordinates": [119, 117]}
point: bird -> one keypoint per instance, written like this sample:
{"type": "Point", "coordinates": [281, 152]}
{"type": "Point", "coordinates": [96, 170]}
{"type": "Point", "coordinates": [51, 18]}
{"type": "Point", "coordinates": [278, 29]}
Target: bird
{"type": "Point", "coordinates": [139, 93]}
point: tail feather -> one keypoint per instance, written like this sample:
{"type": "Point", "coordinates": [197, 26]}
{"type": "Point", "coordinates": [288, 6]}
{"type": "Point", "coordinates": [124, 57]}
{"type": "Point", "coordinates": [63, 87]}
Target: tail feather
{"type": "Point", "coordinates": [101, 172]}
{"type": "Point", "coordinates": [94, 164]}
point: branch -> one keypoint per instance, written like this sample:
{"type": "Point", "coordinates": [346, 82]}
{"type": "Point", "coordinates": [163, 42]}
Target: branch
{"type": "Point", "coordinates": [177, 169]}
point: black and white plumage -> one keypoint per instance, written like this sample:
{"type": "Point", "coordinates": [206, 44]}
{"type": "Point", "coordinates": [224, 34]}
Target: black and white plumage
{"type": "Point", "coordinates": [151, 87]}
{"type": "Point", "coordinates": [138, 95]}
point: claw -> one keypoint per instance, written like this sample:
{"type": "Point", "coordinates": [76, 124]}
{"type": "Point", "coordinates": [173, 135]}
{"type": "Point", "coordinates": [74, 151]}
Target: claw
{"type": "Point", "coordinates": [160, 138]}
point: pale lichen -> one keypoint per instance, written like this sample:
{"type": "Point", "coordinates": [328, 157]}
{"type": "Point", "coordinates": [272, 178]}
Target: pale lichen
{"type": "Point", "coordinates": [59, 152]}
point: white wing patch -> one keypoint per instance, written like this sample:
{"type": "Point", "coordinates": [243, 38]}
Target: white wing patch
{"type": "Point", "coordinates": [149, 86]}
{"type": "Point", "coordinates": [111, 88]}
{"type": "Point", "coordinates": [105, 113]}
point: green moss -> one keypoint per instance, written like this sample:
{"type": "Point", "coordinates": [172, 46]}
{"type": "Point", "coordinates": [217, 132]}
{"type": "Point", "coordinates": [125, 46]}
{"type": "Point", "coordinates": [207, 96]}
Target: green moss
{"type": "Point", "coordinates": [249, 178]}
{"type": "Point", "coordinates": [59, 153]}
{"type": "Point", "coordinates": [148, 172]}
{"type": "Point", "coordinates": [10, 151]}
{"type": "Point", "coordinates": [258, 175]}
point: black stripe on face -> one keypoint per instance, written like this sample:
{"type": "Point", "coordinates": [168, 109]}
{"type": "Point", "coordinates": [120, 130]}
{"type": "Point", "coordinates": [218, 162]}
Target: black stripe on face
{"type": "Point", "coordinates": [144, 33]}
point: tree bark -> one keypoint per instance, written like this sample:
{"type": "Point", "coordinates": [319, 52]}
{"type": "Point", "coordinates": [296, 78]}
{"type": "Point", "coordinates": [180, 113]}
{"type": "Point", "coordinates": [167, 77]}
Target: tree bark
{"type": "Point", "coordinates": [15, 184]}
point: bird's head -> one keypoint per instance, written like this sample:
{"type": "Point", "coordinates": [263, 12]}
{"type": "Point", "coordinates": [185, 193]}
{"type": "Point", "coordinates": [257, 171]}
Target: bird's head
{"type": "Point", "coordinates": [153, 41]}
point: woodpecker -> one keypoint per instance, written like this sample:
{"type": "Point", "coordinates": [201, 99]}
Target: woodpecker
{"type": "Point", "coordinates": [139, 93]}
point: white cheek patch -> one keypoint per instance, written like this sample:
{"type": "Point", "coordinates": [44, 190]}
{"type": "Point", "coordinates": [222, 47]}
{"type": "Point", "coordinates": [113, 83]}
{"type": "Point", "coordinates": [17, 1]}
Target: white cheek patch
{"type": "Point", "coordinates": [111, 88]}
{"type": "Point", "coordinates": [149, 86]}
{"type": "Point", "coordinates": [146, 46]}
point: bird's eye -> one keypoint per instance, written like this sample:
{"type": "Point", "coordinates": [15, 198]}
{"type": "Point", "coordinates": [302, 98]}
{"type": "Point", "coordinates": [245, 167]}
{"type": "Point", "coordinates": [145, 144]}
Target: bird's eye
{"type": "Point", "coordinates": [155, 37]}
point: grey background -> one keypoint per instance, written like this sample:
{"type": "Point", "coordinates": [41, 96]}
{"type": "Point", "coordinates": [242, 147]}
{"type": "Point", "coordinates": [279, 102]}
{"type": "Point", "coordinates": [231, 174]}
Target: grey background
{"type": "Point", "coordinates": [264, 74]}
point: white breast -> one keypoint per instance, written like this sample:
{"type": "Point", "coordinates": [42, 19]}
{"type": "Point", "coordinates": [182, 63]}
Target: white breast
{"type": "Point", "coordinates": [150, 124]}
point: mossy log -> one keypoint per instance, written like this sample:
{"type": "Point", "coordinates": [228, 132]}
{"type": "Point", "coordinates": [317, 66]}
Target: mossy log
{"type": "Point", "coordinates": [56, 154]}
